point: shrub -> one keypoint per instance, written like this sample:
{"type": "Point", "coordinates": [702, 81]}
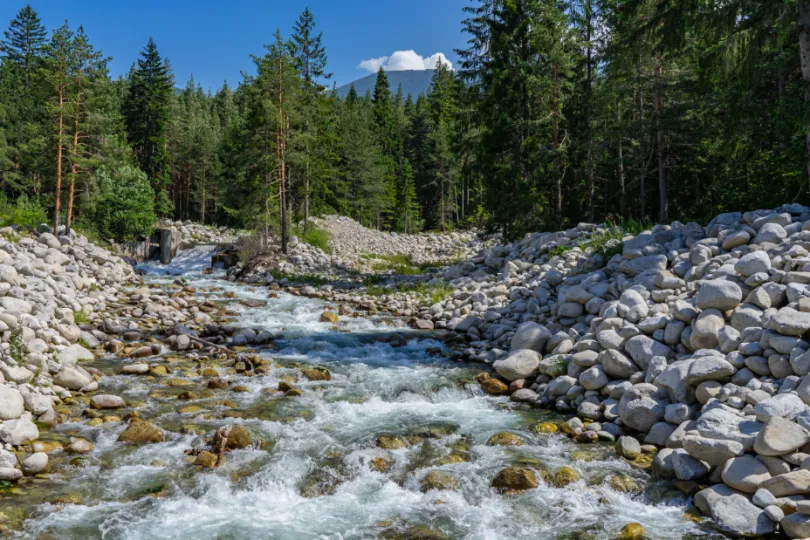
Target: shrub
{"type": "Point", "coordinates": [314, 236]}
{"type": "Point", "coordinates": [23, 212]}
{"type": "Point", "coordinates": [124, 208]}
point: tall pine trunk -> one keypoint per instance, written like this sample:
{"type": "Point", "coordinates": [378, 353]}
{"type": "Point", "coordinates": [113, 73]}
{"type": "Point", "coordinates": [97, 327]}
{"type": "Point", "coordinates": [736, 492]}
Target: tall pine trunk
{"type": "Point", "coordinates": [622, 195]}
{"type": "Point", "coordinates": [555, 121]}
{"type": "Point", "coordinates": [663, 197]}
{"type": "Point", "coordinates": [59, 144]}
{"type": "Point", "coordinates": [74, 159]}
{"type": "Point", "coordinates": [642, 180]}
{"type": "Point", "coordinates": [588, 133]}
{"type": "Point", "coordinates": [804, 53]}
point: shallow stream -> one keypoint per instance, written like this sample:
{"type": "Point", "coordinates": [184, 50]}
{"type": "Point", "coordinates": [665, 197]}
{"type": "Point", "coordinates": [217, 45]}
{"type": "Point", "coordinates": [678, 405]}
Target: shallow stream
{"type": "Point", "coordinates": [318, 471]}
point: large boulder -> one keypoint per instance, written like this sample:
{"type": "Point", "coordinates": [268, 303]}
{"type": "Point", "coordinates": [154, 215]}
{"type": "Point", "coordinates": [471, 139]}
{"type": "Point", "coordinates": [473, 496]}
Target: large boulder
{"type": "Point", "coordinates": [73, 354]}
{"type": "Point", "coordinates": [788, 321]}
{"type": "Point", "coordinates": [713, 451]}
{"type": "Point", "coordinates": [718, 294]}
{"type": "Point", "coordinates": [72, 378]}
{"type": "Point", "coordinates": [530, 335]}
{"type": "Point", "coordinates": [12, 404]}
{"type": "Point", "coordinates": [616, 364]}
{"type": "Point", "coordinates": [787, 484]}
{"type": "Point", "coordinates": [520, 364]}
{"type": "Point", "coordinates": [753, 263]}
{"type": "Point", "coordinates": [642, 406]}
{"type": "Point", "coordinates": [678, 463]}
{"type": "Point", "coordinates": [745, 473]}
{"type": "Point", "coordinates": [723, 424]}
{"type": "Point", "coordinates": [732, 511]}
{"type": "Point", "coordinates": [642, 349]}
{"type": "Point", "coordinates": [779, 437]}
{"type": "Point", "coordinates": [782, 405]}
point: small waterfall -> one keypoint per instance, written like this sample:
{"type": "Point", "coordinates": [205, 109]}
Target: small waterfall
{"type": "Point", "coordinates": [188, 261]}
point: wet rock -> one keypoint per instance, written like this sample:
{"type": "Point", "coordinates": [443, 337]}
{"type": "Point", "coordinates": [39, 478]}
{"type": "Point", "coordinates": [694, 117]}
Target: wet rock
{"type": "Point", "coordinates": [515, 479]}
{"type": "Point", "coordinates": [35, 463]}
{"type": "Point", "coordinates": [505, 438]}
{"type": "Point", "coordinates": [206, 460]}
{"type": "Point", "coordinates": [440, 480]}
{"type": "Point", "coordinates": [329, 317]}
{"type": "Point", "coordinates": [564, 476]}
{"type": "Point", "coordinates": [107, 401]}
{"type": "Point", "coordinates": [494, 387]}
{"type": "Point", "coordinates": [631, 531]}
{"type": "Point", "coordinates": [234, 437]}
{"type": "Point", "coordinates": [141, 432]}
{"type": "Point", "coordinates": [10, 474]}
{"type": "Point", "coordinates": [317, 374]}
{"type": "Point", "coordinates": [391, 442]}
{"type": "Point", "coordinates": [628, 447]}
{"type": "Point", "coordinates": [79, 446]}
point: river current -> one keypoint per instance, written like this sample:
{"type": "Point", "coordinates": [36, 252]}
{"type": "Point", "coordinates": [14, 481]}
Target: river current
{"type": "Point", "coordinates": [318, 472]}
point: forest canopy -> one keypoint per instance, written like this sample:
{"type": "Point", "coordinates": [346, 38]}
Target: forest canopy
{"type": "Point", "coordinates": [562, 111]}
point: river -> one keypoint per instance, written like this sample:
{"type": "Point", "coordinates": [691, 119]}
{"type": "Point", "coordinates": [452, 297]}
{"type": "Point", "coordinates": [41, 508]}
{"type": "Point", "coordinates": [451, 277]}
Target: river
{"type": "Point", "coordinates": [318, 472]}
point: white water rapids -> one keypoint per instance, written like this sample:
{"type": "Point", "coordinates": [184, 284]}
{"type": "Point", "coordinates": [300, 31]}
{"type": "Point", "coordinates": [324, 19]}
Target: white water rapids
{"type": "Point", "coordinates": [330, 433]}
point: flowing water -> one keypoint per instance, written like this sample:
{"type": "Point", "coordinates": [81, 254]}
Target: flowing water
{"type": "Point", "coordinates": [319, 472]}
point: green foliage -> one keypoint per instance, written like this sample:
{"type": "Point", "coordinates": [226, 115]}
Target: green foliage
{"type": "Point", "coordinates": [17, 346]}
{"type": "Point", "coordinates": [124, 206]}
{"type": "Point", "coordinates": [80, 317]}
{"type": "Point", "coordinates": [558, 251]}
{"type": "Point", "coordinates": [315, 237]}
{"type": "Point", "coordinates": [607, 243]}
{"type": "Point", "coordinates": [23, 212]}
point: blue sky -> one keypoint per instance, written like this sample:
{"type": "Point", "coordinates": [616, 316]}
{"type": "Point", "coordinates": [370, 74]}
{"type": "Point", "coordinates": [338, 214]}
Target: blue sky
{"type": "Point", "coordinates": [213, 38]}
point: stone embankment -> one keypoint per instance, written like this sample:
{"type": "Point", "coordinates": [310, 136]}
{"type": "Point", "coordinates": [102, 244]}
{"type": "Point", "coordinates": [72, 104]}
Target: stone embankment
{"type": "Point", "coordinates": [691, 339]}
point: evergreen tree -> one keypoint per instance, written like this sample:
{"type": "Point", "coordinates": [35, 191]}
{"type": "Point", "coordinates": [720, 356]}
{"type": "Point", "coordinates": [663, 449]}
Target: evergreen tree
{"type": "Point", "coordinates": [25, 43]}
{"type": "Point", "coordinates": [147, 111]}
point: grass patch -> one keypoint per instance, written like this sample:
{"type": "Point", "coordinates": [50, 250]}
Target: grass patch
{"type": "Point", "coordinates": [314, 236]}
{"type": "Point", "coordinates": [607, 243]}
{"type": "Point", "coordinates": [17, 349]}
{"type": "Point", "coordinates": [80, 317]}
{"type": "Point", "coordinates": [398, 264]}
{"type": "Point", "coordinates": [558, 251]}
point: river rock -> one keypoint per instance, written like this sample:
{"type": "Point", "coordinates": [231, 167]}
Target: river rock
{"type": "Point", "coordinates": [530, 335]}
{"type": "Point", "coordinates": [733, 512]}
{"type": "Point", "coordinates": [796, 525]}
{"type": "Point", "coordinates": [789, 322]}
{"type": "Point", "coordinates": [107, 401]}
{"type": "Point", "coordinates": [35, 463]}
{"type": "Point", "coordinates": [74, 354]}
{"type": "Point", "coordinates": [520, 364]}
{"type": "Point", "coordinates": [515, 479]}
{"type": "Point", "coordinates": [628, 447]}
{"type": "Point", "coordinates": [753, 263]}
{"type": "Point", "coordinates": [642, 406]}
{"type": "Point", "coordinates": [722, 424]}
{"type": "Point", "coordinates": [786, 406]}
{"type": "Point", "coordinates": [718, 294]}
{"type": "Point", "coordinates": [141, 432]}
{"type": "Point", "coordinates": [10, 474]}
{"type": "Point", "coordinates": [15, 432]}
{"type": "Point", "coordinates": [678, 463]}
{"type": "Point", "coordinates": [72, 378]}
{"type": "Point", "coordinates": [745, 473]}
{"type": "Point", "coordinates": [790, 483]}
{"type": "Point", "coordinates": [712, 451]}
{"type": "Point", "coordinates": [12, 404]}
{"type": "Point", "coordinates": [780, 436]}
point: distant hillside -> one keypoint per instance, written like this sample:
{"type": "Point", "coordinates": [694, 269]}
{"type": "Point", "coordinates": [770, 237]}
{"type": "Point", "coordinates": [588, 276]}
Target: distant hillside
{"type": "Point", "coordinates": [413, 82]}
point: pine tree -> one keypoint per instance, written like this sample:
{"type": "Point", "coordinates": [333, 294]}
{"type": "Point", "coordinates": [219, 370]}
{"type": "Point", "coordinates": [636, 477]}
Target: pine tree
{"type": "Point", "coordinates": [25, 42]}
{"type": "Point", "coordinates": [61, 58]}
{"type": "Point", "coordinates": [147, 111]}
{"type": "Point", "coordinates": [409, 207]}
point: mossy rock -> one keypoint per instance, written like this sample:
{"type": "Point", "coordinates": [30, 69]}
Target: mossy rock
{"type": "Point", "coordinates": [438, 480]}
{"type": "Point", "coordinates": [190, 409]}
{"type": "Point", "coordinates": [643, 461]}
{"type": "Point", "coordinates": [317, 374]}
{"type": "Point", "coordinates": [209, 372]}
{"type": "Point", "coordinates": [240, 389]}
{"type": "Point", "coordinates": [141, 432]}
{"type": "Point", "coordinates": [494, 387]}
{"type": "Point", "coordinates": [381, 464]}
{"type": "Point", "coordinates": [565, 476]}
{"type": "Point", "coordinates": [453, 457]}
{"type": "Point", "coordinates": [67, 498]}
{"type": "Point", "coordinates": [505, 438]}
{"type": "Point", "coordinates": [110, 419]}
{"type": "Point", "coordinates": [545, 427]}
{"type": "Point", "coordinates": [515, 479]}
{"type": "Point", "coordinates": [294, 392]}
{"type": "Point", "coordinates": [417, 532]}
{"type": "Point", "coordinates": [217, 384]}
{"type": "Point", "coordinates": [178, 383]}
{"type": "Point", "coordinates": [238, 437]}
{"type": "Point", "coordinates": [187, 395]}
{"type": "Point", "coordinates": [159, 371]}
{"type": "Point", "coordinates": [391, 442]}
{"type": "Point", "coordinates": [631, 531]}
{"type": "Point", "coordinates": [284, 386]}
{"type": "Point", "coordinates": [329, 317]}
{"type": "Point", "coordinates": [624, 484]}
{"type": "Point", "coordinates": [206, 460]}
{"type": "Point", "coordinates": [95, 422]}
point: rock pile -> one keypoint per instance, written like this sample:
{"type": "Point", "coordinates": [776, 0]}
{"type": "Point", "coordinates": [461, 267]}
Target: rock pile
{"type": "Point", "coordinates": [46, 285]}
{"type": "Point", "coordinates": [692, 337]}
{"type": "Point", "coordinates": [351, 241]}
{"type": "Point", "coordinates": [196, 233]}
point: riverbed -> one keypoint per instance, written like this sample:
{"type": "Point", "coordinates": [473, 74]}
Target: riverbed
{"type": "Point", "coordinates": [354, 457]}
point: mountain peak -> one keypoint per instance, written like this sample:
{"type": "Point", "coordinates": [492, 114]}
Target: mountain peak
{"type": "Point", "coordinates": [413, 82]}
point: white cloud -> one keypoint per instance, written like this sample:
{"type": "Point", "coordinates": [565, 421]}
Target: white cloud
{"type": "Point", "coordinates": [404, 60]}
